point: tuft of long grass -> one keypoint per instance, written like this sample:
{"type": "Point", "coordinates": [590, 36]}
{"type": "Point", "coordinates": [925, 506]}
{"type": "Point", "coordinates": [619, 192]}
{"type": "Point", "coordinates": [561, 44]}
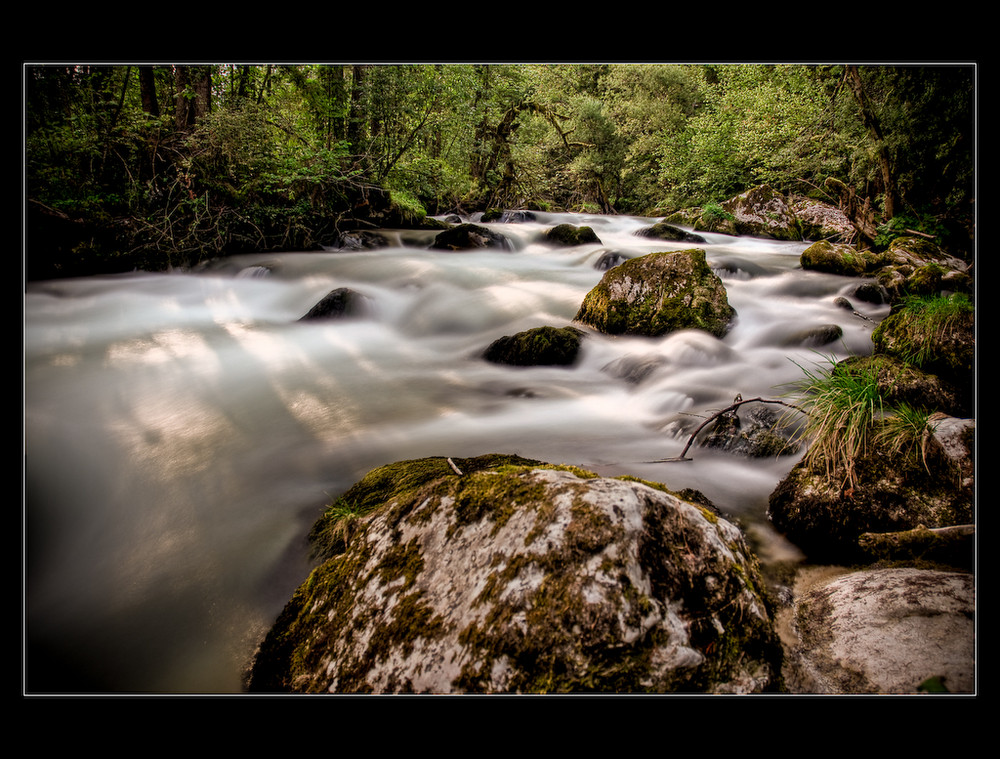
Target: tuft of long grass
{"type": "Point", "coordinates": [840, 407]}
{"type": "Point", "coordinates": [907, 431]}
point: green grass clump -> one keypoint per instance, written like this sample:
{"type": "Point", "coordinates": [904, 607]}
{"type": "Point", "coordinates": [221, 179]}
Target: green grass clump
{"type": "Point", "coordinates": [926, 319]}
{"type": "Point", "coordinates": [840, 410]}
{"type": "Point", "coordinates": [907, 431]}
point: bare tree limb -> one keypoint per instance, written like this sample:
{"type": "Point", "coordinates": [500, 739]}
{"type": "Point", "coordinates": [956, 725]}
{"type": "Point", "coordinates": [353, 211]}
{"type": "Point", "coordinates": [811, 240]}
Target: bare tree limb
{"type": "Point", "coordinates": [732, 407]}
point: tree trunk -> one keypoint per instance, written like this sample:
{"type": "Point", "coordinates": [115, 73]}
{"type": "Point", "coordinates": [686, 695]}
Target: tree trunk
{"type": "Point", "coordinates": [874, 126]}
{"type": "Point", "coordinates": [356, 113]}
{"type": "Point", "coordinates": [193, 94]}
{"type": "Point", "coordinates": [147, 90]}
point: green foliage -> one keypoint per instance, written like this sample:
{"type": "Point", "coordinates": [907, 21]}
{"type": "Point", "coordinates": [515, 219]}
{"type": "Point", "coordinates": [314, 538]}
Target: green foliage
{"type": "Point", "coordinates": [713, 212]}
{"type": "Point", "coordinates": [280, 146]}
{"type": "Point", "coordinates": [902, 225]}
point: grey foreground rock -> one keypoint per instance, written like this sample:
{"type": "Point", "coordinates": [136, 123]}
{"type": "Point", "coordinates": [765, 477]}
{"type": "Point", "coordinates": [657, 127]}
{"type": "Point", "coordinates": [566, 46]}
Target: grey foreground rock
{"type": "Point", "coordinates": [885, 631]}
{"type": "Point", "coordinates": [491, 575]}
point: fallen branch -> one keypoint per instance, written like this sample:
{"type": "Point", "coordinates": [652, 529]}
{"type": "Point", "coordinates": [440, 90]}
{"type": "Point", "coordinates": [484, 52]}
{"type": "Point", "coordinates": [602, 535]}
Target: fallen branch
{"type": "Point", "coordinates": [732, 407]}
{"type": "Point", "coordinates": [952, 544]}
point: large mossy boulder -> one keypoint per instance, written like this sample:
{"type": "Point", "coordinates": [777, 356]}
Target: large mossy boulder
{"type": "Point", "coordinates": [497, 575]}
{"type": "Point", "coordinates": [659, 293]}
{"type": "Point", "coordinates": [916, 252]}
{"type": "Point", "coordinates": [541, 346]}
{"type": "Point", "coordinates": [821, 221]}
{"type": "Point", "coordinates": [763, 212]}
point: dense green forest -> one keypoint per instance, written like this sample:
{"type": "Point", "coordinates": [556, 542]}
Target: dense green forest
{"type": "Point", "coordinates": [161, 165]}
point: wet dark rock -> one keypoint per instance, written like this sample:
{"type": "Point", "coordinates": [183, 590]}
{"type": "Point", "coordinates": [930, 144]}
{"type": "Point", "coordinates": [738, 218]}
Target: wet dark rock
{"type": "Point", "coordinates": [337, 304]}
{"type": "Point", "coordinates": [752, 431]}
{"type": "Point", "coordinates": [468, 237]}
{"type": "Point", "coordinates": [815, 337]}
{"type": "Point", "coordinates": [507, 217]}
{"type": "Point", "coordinates": [542, 346]}
{"type": "Point", "coordinates": [609, 260]}
{"type": "Point", "coordinates": [362, 240]}
{"type": "Point", "coordinates": [664, 231]}
{"type": "Point", "coordinates": [569, 235]}
{"type": "Point", "coordinates": [634, 369]}
{"type": "Point", "coordinates": [869, 292]}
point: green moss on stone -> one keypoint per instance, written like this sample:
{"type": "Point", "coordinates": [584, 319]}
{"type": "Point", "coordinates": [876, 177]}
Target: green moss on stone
{"type": "Point", "coordinates": [659, 293]}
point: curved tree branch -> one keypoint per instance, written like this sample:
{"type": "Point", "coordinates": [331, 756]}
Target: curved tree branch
{"type": "Point", "coordinates": [732, 407]}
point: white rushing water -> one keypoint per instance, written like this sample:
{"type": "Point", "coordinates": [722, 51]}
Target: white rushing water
{"type": "Point", "coordinates": [184, 430]}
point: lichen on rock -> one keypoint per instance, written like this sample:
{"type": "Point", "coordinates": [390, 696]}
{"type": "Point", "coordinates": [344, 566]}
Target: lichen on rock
{"type": "Point", "coordinates": [511, 578]}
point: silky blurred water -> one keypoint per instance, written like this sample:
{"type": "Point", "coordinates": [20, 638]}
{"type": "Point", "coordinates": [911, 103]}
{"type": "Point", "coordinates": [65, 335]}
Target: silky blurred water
{"type": "Point", "coordinates": [184, 430]}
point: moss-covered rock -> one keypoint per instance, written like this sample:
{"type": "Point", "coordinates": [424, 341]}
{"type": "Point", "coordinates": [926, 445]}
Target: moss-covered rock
{"type": "Point", "coordinates": [834, 258]}
{"type": "Point", "coordinates": [568, 235]}
{"type": "Point", "coordinates": [913, 266]}
{"type": "Point", "coordinates": [821, 221]}
{"type": "Point", "coordinates": [934, 334]}
{"type": "Point", "coordinates": [763, 212]}
{"type": "Point", "coordinates": [659, 293]}
{"type": "Point", "coordinates": [510, 578]}
{"type": "Point", "coordinates": [825, 511]}
{"type": "Point", "coordinates": [541, 346]}
{"type": "Point", "coordinates": [900, 384]}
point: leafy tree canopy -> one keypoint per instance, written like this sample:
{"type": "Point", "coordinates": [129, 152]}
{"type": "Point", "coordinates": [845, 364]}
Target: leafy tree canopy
{"type": "Point", "coordinates": [174, 163]}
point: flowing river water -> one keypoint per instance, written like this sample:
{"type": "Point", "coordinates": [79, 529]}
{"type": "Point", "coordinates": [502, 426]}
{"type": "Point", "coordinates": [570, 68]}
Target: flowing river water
{"type": "Point", "coordinates": [184, 430]}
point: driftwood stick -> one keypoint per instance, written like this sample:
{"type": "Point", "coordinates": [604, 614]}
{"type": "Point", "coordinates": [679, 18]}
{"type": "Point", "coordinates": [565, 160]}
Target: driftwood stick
{"type": "Point", "coordinates": [455, 467]}
{"type": "Point", "coordinates": [952, 544]}
{"type": "Point", "coordinates": [731, 407]}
